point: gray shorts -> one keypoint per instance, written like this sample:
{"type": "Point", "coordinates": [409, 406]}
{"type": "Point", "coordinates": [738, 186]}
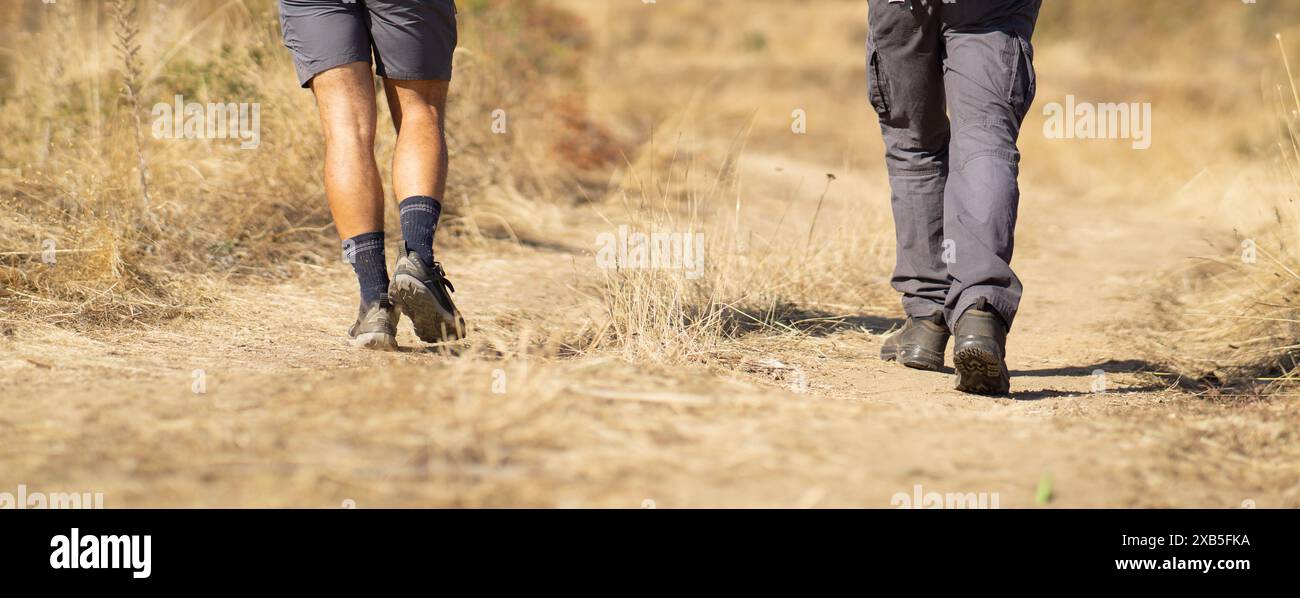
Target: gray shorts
{"type": "Point", "coordinates": [411, 40]}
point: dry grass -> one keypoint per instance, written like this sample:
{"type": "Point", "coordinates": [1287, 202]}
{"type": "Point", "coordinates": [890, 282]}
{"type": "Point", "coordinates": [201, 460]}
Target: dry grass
{"type": "Point", "coordinates": [774, 266]}
{"type": "Point", "coordinates": [145, 227]}
{"type": "Point", "coordinates": [1236, 320]}
{"type": "Point", "coordinates": [769, 265]}
{"type": "Point", "coordinates": [89, 186]}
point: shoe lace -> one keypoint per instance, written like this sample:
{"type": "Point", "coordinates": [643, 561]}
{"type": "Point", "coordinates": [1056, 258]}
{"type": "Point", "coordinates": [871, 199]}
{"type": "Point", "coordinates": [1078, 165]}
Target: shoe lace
{"type": "Point", "coordinates": [442, 277]}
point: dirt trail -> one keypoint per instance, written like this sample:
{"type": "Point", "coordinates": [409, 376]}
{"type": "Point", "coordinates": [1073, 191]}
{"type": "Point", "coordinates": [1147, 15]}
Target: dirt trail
{"type": "Point", "coordinates": [289, 416]}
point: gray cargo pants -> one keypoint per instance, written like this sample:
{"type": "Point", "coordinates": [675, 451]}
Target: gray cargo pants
{"type": "Point", "coordinates": [952, 81]}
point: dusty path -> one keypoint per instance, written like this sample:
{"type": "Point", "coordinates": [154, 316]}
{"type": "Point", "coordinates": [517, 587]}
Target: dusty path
{"type": "Point", "coordinates": [289, 416]}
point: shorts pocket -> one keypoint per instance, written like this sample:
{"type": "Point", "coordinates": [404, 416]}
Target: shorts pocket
{"type": "Point", "coordinates": [1024, 80]}
{"type": "Point", "coordinates": [877, 83]}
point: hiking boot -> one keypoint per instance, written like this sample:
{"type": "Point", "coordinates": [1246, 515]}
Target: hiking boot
{"type": "Point", "coordinates": [980, 352]}
{"type": "Point", "coordinates": [919, 344]}
{"type": "Point", "coordinates": [423, 293]}
{"type": "Point", "coordinates": [376, 326]}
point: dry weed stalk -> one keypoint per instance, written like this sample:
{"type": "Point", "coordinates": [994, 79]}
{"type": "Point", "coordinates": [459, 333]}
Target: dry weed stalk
{"type": "Point", "coordinates": [127, 31]}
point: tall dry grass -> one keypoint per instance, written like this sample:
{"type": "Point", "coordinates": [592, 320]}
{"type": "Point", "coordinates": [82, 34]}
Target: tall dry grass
{"type": "Point", "coordinates": [101, 223]}
{"type": "Point", "coordinates": [1235, 320]}
{"type": "Point", "coordinates": [773, 265]}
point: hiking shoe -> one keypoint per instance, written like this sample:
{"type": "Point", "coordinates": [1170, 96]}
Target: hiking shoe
{"type": "Point", "coordinates": [376, 326]}
{"type": "Point", "coordinates": [980, 351]}
{"type": "Point", "coordinates": [919, 344]}
{"type": "Point", "coordinates": [424, 294]}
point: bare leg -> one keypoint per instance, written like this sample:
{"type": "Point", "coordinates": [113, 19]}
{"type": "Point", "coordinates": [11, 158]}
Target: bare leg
{"type": "Point", "coordinates": [419, 181]}
{"type": "Point", "coordinates": [420, 159]}
{"type": "Point", "coordinates": [346, 98]}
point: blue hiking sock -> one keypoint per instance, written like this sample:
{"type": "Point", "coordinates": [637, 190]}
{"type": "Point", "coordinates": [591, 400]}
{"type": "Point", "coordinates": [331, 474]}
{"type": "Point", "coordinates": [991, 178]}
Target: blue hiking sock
{"type": "Point", "coordinates": [419, 220]}
{"type": "Point", "coordinates": [366, 254]}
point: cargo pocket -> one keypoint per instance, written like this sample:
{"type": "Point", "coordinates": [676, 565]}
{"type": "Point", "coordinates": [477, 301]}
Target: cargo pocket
{"type": "Point", "coordinates": [1024, 81]}
{"type": "Point", "coordinates": [877, 84]}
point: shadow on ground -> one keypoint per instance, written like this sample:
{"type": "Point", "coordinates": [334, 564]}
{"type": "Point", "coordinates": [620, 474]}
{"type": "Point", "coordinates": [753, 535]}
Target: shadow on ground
{"type": "Point", "coordinates": [808, 321]}
{"type": "Point", "coordinates": [1110, 366]}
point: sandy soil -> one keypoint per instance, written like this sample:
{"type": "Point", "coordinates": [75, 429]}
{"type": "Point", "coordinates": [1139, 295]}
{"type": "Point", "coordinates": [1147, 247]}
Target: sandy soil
{"type": "Point", "coordinates": [288, 416]}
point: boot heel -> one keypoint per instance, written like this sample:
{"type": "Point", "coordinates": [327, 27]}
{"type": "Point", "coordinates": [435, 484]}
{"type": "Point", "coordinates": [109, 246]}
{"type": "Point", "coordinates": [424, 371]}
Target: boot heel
{"type": "Point", "coordinates": [920, 358]}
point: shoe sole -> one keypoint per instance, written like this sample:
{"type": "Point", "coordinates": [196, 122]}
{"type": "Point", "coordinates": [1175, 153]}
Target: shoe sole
{"type": "Point", "coordinates": [432, 323]}
{"type": "Point", "coordinates": [375, 341]}
{"type": "Point", "coordinates": [915, 357]}
{"type": "Point", "coordinates": [980, 372]}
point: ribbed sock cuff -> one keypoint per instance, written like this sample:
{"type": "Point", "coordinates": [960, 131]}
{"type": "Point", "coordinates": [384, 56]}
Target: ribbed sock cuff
{"type": "Point", "coordinates": [366, 254]}
{"type": "Point", "coordinates": [419, 221]}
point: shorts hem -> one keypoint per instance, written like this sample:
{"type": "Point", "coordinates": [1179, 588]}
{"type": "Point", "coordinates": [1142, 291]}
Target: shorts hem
{"type": "Point", "coordinates": [438, 75]}
{"type": "Point", "coordinates": [307, 73]}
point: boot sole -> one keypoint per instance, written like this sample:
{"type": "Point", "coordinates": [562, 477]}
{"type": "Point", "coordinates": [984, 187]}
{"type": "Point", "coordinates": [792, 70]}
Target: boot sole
{"type": "Point", "coordinates": [375, 341]}
{"type": "Point", "coordinates": [980, 372]}
{"type": "Point", "coordinates": [432, 323]}
{"type": "Point", "coordinates": [915, 357]}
